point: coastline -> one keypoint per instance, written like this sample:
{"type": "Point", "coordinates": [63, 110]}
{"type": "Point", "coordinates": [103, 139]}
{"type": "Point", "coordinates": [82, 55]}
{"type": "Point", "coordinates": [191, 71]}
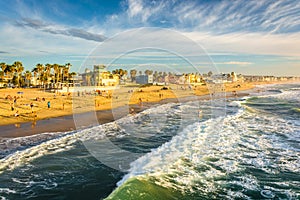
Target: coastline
{"type": "Point", "coordinates": [66, 122]}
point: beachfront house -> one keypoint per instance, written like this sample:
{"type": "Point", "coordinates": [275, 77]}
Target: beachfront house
{"type": "Point", "coordinates": [181, 80]}
{"type": "Point", "coordinates": [99, 77]}
{"type": "Point", "coordinates": [5, 81]}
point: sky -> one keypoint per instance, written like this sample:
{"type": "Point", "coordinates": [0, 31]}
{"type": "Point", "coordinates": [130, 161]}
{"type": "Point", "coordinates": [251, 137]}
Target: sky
{"type": "Point", "coordinates": [246, 36]}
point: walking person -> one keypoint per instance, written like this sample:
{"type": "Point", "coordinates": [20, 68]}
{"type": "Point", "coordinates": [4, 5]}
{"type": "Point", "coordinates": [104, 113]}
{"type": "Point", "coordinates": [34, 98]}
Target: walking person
{"type": "Point", "coordinates": [12, 107]}
{"type": "Point", "coordinates": [17, 114]}
{"type": "Point", "coordinates": [31, 106]}
{"type": "Point", "coordinates": [140, 102]}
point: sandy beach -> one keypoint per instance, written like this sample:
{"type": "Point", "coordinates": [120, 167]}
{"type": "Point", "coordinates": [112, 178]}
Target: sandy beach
{"type": "Point", "coordinates": [34, 115]}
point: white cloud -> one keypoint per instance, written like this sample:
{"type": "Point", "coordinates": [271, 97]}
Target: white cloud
{"type": "Point", "coordinates": [135, 7]}
{"type": "Point", "coordinates": [218, 16]}
{"type": "Point", "coordinates": [58, 29]}
{"type": "Point", "coordinates": [33, 42]}
{"type": "Point", "coordinates": [234, 63]}
{"type": "Point", "coordinates": [249, 43]}
{"type": "Point", "coordinates": [230, 27]}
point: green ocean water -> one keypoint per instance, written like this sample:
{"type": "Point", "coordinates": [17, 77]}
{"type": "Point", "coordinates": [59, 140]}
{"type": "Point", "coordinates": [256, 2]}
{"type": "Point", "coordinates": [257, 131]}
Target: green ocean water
{"type": "Point", "coordinates": [136, 188]}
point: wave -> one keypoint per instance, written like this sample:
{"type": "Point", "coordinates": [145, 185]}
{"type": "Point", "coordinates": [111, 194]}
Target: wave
{"type": "Point", "coordinates": [18, 151]}
{"type": "Point", "coordinates": [194, 136]}
{"type": "Point", "coordinates": [226, 157]}
{"type": "Point", "coordinates": [10, 145]}
{"type": "Point", "coordinates": [287, 92]}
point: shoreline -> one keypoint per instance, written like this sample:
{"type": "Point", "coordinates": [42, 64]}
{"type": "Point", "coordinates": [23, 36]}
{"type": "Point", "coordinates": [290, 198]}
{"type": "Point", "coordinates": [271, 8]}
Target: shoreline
{"type": "Point", "coordinates": [66, 123]}
{"type": "Point", "coordinates": [97, 117]}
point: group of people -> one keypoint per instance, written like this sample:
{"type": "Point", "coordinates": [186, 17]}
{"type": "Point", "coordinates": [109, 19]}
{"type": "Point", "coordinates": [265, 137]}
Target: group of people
{"type": "Point", "coordinates": [12, 107]}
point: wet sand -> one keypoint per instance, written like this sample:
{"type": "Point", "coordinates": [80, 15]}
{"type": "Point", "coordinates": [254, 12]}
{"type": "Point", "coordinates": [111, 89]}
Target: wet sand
{"type": "Point", "coordinates": [92, 118]}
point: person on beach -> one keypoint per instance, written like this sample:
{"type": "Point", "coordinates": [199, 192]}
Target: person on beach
{"type": "Point", "coordinates": [200, 114]}
{"type": "Point", "coordinates": [31, 106]}
{"type": "Point", "coordinates": [235, 93]}
{"type": "Point", "coordinates": [132, 111]}
{"type": "Point", "coordinates": [48, 104]}
{"type": "Point", "coordinates": [140, 102]}
{"type": "Point", "coordinates": [34, 116]}
{"type": "Point", "coordinates": [12, 107]}
{"type": "Point", "coordinates": [33, 124]}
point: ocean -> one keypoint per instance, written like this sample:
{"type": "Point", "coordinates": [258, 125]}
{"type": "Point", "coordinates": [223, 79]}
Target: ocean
{"type": "Point", "coordinates": [238, 148]}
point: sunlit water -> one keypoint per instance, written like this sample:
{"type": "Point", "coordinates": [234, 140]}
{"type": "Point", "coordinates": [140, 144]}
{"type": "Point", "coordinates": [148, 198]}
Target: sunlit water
{"type": "Point", "coordinates": [244, 148]}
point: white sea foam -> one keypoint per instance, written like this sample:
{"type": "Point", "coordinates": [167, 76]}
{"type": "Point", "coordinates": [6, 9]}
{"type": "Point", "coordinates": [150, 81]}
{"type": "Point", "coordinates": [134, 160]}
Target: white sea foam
{"type": "Point", "coordinates": [289, 95]}
{"type": "Point", "coordinates": [226, 142]}
{"type": "Point", "coordinates": [7, 191]}
{"type": "Point", "coordinates": [285, 93]}
{"type": "Point", "coordinates": [9, 145]}
{"type": "Point", "coordinates": [235, 103]}
{"type": "Point", "coordinates": [191, 143]}
{"type": "Point", "coordinates": [52, 146]}
{"type": "Point", "coordinates": [51, 143]}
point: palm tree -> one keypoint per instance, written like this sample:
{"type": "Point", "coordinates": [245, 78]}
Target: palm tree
{"type": "Point", "coordinates": [47, 72]}
{"type": "Point", "coordinates": [8, 70]}
{"type": "Point", "coordinates": [28, 76]}
{"type": "Point", "coordinates": [40, 71]}
{"type": "Point", "coordinates": [2, 75]}
{"type": "Point", "coordinates": [3, 66]}
{"type": "Point", "coordinates": [65, 74]}
{"type": "Point", "coordinates": [121, 72]}
{"type": "Point", "coordinates": [18, 68]}
{"type": "Point", "coordinates": [133, 74]}
{"type": "Point", "coordinates": [11, 71]}
{"type": "Point", "coordinates": [60, 71]}
{"type": "Point", "coordinates": [68, 65]}
{"type": "Point", "coordinates": [209, 74]}
{"type": "Point", "coordinates": [147, 72]}
{"type": "Point", "coordinates": [67, 69]}
{"type": "Point", "coordinates": [56, 74]}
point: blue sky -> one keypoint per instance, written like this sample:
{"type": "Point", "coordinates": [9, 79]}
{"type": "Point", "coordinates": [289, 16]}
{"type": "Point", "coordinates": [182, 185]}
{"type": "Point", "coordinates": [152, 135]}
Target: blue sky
{"type": "Point", "coordinates": [249, 37]}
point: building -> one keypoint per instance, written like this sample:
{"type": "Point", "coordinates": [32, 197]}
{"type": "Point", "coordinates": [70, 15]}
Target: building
{"type": "Point", "coordinates": [144, 79]}
{"type": "Point", "coordinates": [99, 77]}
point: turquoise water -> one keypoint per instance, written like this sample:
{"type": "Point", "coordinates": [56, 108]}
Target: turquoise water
{"type": "Point", "coordinates": [244, 148]}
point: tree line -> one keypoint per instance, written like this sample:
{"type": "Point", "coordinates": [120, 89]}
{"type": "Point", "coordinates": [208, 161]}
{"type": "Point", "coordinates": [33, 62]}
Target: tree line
{"type": "Point", "coordinates": [48, 75]}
